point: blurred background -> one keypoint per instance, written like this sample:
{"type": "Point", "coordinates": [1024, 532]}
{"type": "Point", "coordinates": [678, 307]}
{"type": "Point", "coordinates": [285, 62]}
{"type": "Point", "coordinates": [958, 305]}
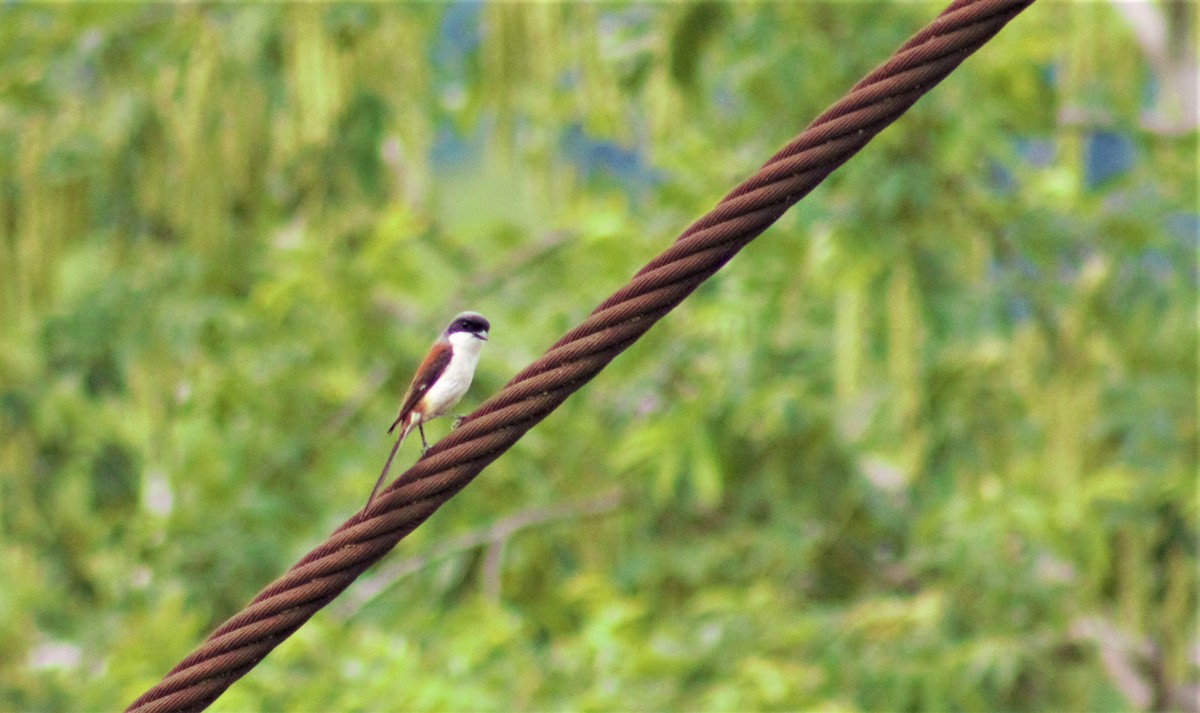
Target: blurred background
{"type": "Point", "coordinates": [929, 443]}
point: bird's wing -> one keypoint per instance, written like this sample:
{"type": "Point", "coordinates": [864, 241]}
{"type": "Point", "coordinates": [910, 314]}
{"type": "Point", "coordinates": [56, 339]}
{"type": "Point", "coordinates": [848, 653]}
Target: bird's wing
{"type": "Point", "coordinates": [429, 371]}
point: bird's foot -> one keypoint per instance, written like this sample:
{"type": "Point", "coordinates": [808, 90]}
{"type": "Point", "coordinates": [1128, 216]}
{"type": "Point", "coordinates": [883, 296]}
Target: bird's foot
{"type": "Point", "coordinates": [458, 421]}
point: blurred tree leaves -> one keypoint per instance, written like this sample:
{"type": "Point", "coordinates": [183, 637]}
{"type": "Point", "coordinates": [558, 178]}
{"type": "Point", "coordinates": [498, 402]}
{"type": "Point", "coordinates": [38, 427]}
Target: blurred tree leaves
{"type": "Point", "coordinates": [911, 450]}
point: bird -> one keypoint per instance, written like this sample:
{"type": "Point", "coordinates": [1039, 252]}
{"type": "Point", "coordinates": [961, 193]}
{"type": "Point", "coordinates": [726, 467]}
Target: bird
{"type": "Point", "coordinates": [441, 380]}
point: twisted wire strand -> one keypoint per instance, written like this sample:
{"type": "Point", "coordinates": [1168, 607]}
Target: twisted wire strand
{"type": "Point", "coordinates": [702, 249]}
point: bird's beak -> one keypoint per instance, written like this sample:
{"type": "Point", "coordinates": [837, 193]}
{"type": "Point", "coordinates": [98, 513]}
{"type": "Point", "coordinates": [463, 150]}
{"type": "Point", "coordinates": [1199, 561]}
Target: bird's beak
{"type": "Point", "coordinates": [482, 335]}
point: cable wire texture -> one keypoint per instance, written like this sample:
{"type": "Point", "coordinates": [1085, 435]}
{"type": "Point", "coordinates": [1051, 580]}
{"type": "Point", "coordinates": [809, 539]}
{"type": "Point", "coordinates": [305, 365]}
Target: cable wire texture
{"type": "Point", "coordinates": [870, 106]}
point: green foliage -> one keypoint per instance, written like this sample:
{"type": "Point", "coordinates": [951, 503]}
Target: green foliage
{"type": "Point", "coordinates": [930, 443]}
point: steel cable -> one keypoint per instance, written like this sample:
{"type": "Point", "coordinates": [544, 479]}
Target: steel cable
{"type": "Point", "coordinates": [840, 132]}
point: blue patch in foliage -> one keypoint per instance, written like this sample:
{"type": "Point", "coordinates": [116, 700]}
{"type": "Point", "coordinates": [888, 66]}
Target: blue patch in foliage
{"type": "Point", "coordinates": [450, 149]}
{"type": "Point", "coordinates": [457, 37]}
{"type": "Point", "coordinates": [1107, 155]}
{"type": "Point", "coordinates": [1184, 227]}
{"type": "Point", "coordinates": [1000, 178]}
{"type": "Point", "coordinates": [1037, 152]}
{"type": "Point", "coordinates": [599, 158]}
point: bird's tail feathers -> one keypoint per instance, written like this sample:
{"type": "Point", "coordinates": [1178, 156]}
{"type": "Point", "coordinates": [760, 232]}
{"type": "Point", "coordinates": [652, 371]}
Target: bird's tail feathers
{"type": "Point", "coordinates": [388, 465]}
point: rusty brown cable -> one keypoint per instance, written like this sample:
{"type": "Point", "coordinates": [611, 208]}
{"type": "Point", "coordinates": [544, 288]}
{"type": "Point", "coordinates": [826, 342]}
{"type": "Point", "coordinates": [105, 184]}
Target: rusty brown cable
{"type": "Point", "coordinates": [874, 103]}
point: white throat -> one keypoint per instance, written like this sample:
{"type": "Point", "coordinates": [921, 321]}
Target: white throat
{"type": "Point", "coordinates": [467, 345]}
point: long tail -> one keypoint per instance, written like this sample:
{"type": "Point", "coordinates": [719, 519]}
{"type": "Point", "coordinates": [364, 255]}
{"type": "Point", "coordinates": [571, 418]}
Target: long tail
{"type": "Point", "coordinates": [388, 466]}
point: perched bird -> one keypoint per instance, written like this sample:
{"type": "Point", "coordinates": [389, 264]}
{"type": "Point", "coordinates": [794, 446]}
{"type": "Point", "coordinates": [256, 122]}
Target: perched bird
{"type": "Point", "coordinates": [441, 380]}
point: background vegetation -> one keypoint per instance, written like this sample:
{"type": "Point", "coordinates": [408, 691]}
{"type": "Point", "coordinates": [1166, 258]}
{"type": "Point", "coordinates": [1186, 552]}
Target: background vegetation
{"type": "Point", "coordinates": [929, 444]}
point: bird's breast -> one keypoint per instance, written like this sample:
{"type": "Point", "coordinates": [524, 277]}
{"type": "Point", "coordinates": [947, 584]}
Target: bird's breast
{"type": "Point", "coordinates": [454, 382]}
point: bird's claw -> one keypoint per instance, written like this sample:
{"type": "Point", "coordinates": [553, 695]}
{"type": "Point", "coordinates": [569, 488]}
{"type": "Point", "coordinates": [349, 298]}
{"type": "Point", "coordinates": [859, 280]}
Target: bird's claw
{"type": "Point", "coordinates": [458, 421]}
